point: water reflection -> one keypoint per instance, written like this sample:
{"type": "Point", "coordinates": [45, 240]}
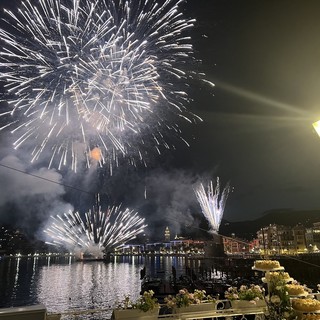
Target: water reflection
{"type": "Point", "coordinates": [63, 284]}
{"type": "Point", "coordinates": [16, 278]}
{"type": "Point", "coordinates": [87, 285]}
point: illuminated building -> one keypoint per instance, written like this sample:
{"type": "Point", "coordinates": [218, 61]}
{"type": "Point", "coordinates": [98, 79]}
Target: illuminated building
{"type": "Point", "coordinates": [167, 235]}
{"type": "Point", "coordinates": [313, 238]}
{"type": "Point", "coordinates": [299, 241]}
{"type": "Point", "coordinates": [233, 245]}
{"type": "Point", "coordinates": [279, 239]}
{"type": "Point", "coordinates": [276, 239]}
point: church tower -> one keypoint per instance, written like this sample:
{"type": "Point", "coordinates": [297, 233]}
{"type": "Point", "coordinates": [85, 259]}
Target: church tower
{"type": "Point", "coordinates": [167, 235]}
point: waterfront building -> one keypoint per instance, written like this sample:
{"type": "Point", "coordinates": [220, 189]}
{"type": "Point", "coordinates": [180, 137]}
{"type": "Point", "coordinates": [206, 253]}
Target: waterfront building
{"type": "Point", "coordinates": [286, 240]}
{"type": "Point", "coordinates": [276, 239]}
{"type": "Point", "coordinates": [265, 238]}
{"type": "Point", "coordinates": [181, 246]}
{"type": "Point", "coordinates": [234, 245]}
{"type": "Point", "coordinates": [280, 239]}
{"type": "Point", "coordinates": [271, 239]}
{"type": "Point", "coordinates": [313, 238]}
{"type": "Point", "coordinates": [254, 246]}
{"type": "Point", "coordinates": [299, 232]}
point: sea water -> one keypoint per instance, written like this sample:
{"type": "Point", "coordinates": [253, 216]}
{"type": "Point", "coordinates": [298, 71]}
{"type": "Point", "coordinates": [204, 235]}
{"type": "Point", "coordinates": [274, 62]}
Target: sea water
{"type": "Point", "coordinates": [66, 285]}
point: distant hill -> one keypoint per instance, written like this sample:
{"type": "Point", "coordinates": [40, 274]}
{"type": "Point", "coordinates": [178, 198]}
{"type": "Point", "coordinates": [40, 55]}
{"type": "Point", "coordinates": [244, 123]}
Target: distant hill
{"type": "Point", "coordinates": [288, 217]}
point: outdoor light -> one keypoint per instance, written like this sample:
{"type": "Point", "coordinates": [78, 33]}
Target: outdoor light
{"type": "Point", "coordinates": [316, 126]}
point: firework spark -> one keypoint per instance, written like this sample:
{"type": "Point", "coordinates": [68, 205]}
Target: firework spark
{"type": "Point", "coordinates": [85, 74]}
{"type": "Point", "coordinates": [212, 203]}
{"type": "Point", "coordinates": [99, 231]}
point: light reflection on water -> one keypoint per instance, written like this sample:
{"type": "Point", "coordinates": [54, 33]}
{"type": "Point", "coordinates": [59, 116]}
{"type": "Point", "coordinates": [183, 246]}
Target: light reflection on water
{"type": "Point", "coordinates": [86, 285]}
{"type": "Point", "coordinates": [62, 284]}
{"type": "Point", "coordinates": [16, 278]}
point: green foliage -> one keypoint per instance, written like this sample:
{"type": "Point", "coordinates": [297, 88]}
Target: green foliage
{"type": "Point", "coordinates": [251, 293]}
{"type": "Point", "coordinates": [184, 298]}
{"type": "Point", "coordinates": [146, 302]}
{"type": "Point", "coordinates": [278, 301]}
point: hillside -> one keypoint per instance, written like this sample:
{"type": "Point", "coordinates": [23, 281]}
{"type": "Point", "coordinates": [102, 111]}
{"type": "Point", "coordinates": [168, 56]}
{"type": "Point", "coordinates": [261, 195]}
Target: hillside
{"type": "Point", "coordinates": [288, 217]}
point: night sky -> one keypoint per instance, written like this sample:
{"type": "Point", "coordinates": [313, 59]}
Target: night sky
{"type": "Point", "coordinates": [264, 58]}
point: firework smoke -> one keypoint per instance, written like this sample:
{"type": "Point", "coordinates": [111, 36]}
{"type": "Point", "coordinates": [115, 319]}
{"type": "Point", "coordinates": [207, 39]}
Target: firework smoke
{"type": "Point", "coordinates": [84, 75]}
{"type": "Point", "coordinates": [97, 232]}
{"type": "Point", "coordinates": [212, 203]}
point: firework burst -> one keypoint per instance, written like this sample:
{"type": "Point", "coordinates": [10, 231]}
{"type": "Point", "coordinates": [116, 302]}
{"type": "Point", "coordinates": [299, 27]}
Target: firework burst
{"type": "Point", "coordinates": [99, 231]}
{"type": "Point", "coordinates": [212, 203]}
{"type": "Point", "coordinates": [86, 74]}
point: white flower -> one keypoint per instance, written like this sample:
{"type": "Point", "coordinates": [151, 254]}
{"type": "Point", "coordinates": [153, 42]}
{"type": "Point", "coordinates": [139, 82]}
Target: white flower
{"type": "Point", "coordinates": [275, 299]}
{"type": "Point", "coordinates": [257, 288]}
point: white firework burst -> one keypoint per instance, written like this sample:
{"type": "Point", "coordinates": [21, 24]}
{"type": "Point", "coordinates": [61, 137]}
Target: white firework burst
{"type": "Point", "coordinates": [212, 202]}
{"type": "Point", "coordinates": [86, 74]}
{"type": "Point", "coordinates": [99, 231]}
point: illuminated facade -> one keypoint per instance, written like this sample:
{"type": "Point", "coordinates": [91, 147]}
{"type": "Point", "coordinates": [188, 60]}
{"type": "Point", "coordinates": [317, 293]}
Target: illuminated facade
{"type": "Point", "coordinates": [279, 239]}
{"type": "Point", "coordinates": [313, 238]}
{"type": "Point", "coordinates": [233, 245]}
{"type": "Point", "coordinates": [173, 247]}
{"type": "Point", "coordinates": [299, 238]}
{"type": "Point", "coordinates": [167, 235]}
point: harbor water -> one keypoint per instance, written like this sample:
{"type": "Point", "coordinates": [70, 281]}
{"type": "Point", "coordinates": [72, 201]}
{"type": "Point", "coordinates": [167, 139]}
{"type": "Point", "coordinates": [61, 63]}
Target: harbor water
{"type": "Point", "coordinates": [63, 284]}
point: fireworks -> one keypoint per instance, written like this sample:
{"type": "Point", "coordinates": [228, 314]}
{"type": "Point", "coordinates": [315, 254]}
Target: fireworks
{"type": "Point", "coordinates": [86, 74]}
{"type": "Point", "coordinates": [97, 232]}
{"type": "Point", "coordinates": [212, 203]}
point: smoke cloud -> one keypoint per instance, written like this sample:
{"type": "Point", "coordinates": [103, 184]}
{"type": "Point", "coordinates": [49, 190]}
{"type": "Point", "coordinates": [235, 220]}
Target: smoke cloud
{"type": "Point", "coordinates": [174, 201]}
{"type": "Point", "coordinates": [29, 198]}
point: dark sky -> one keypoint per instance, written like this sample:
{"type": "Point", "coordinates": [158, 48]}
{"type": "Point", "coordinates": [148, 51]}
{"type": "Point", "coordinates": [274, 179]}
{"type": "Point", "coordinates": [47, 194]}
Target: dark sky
{"type": "Point", "coordinates": [264, 58]}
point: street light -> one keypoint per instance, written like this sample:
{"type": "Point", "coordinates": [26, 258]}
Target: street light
{"type": "Point", "coordinates": [316, 126]}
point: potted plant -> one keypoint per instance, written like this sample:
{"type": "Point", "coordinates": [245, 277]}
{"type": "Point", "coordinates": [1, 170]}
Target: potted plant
{"type": "Point", "coordinates": [145, 308]}
{"type": "Point", "coordinates": [246, 296]}
{"type": "Point", "coordinates": [185, 301]}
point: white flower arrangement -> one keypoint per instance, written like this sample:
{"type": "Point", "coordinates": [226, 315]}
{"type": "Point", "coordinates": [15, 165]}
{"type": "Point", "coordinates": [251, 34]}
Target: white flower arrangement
{"type": "Point", "coordinates": [252, 293]}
